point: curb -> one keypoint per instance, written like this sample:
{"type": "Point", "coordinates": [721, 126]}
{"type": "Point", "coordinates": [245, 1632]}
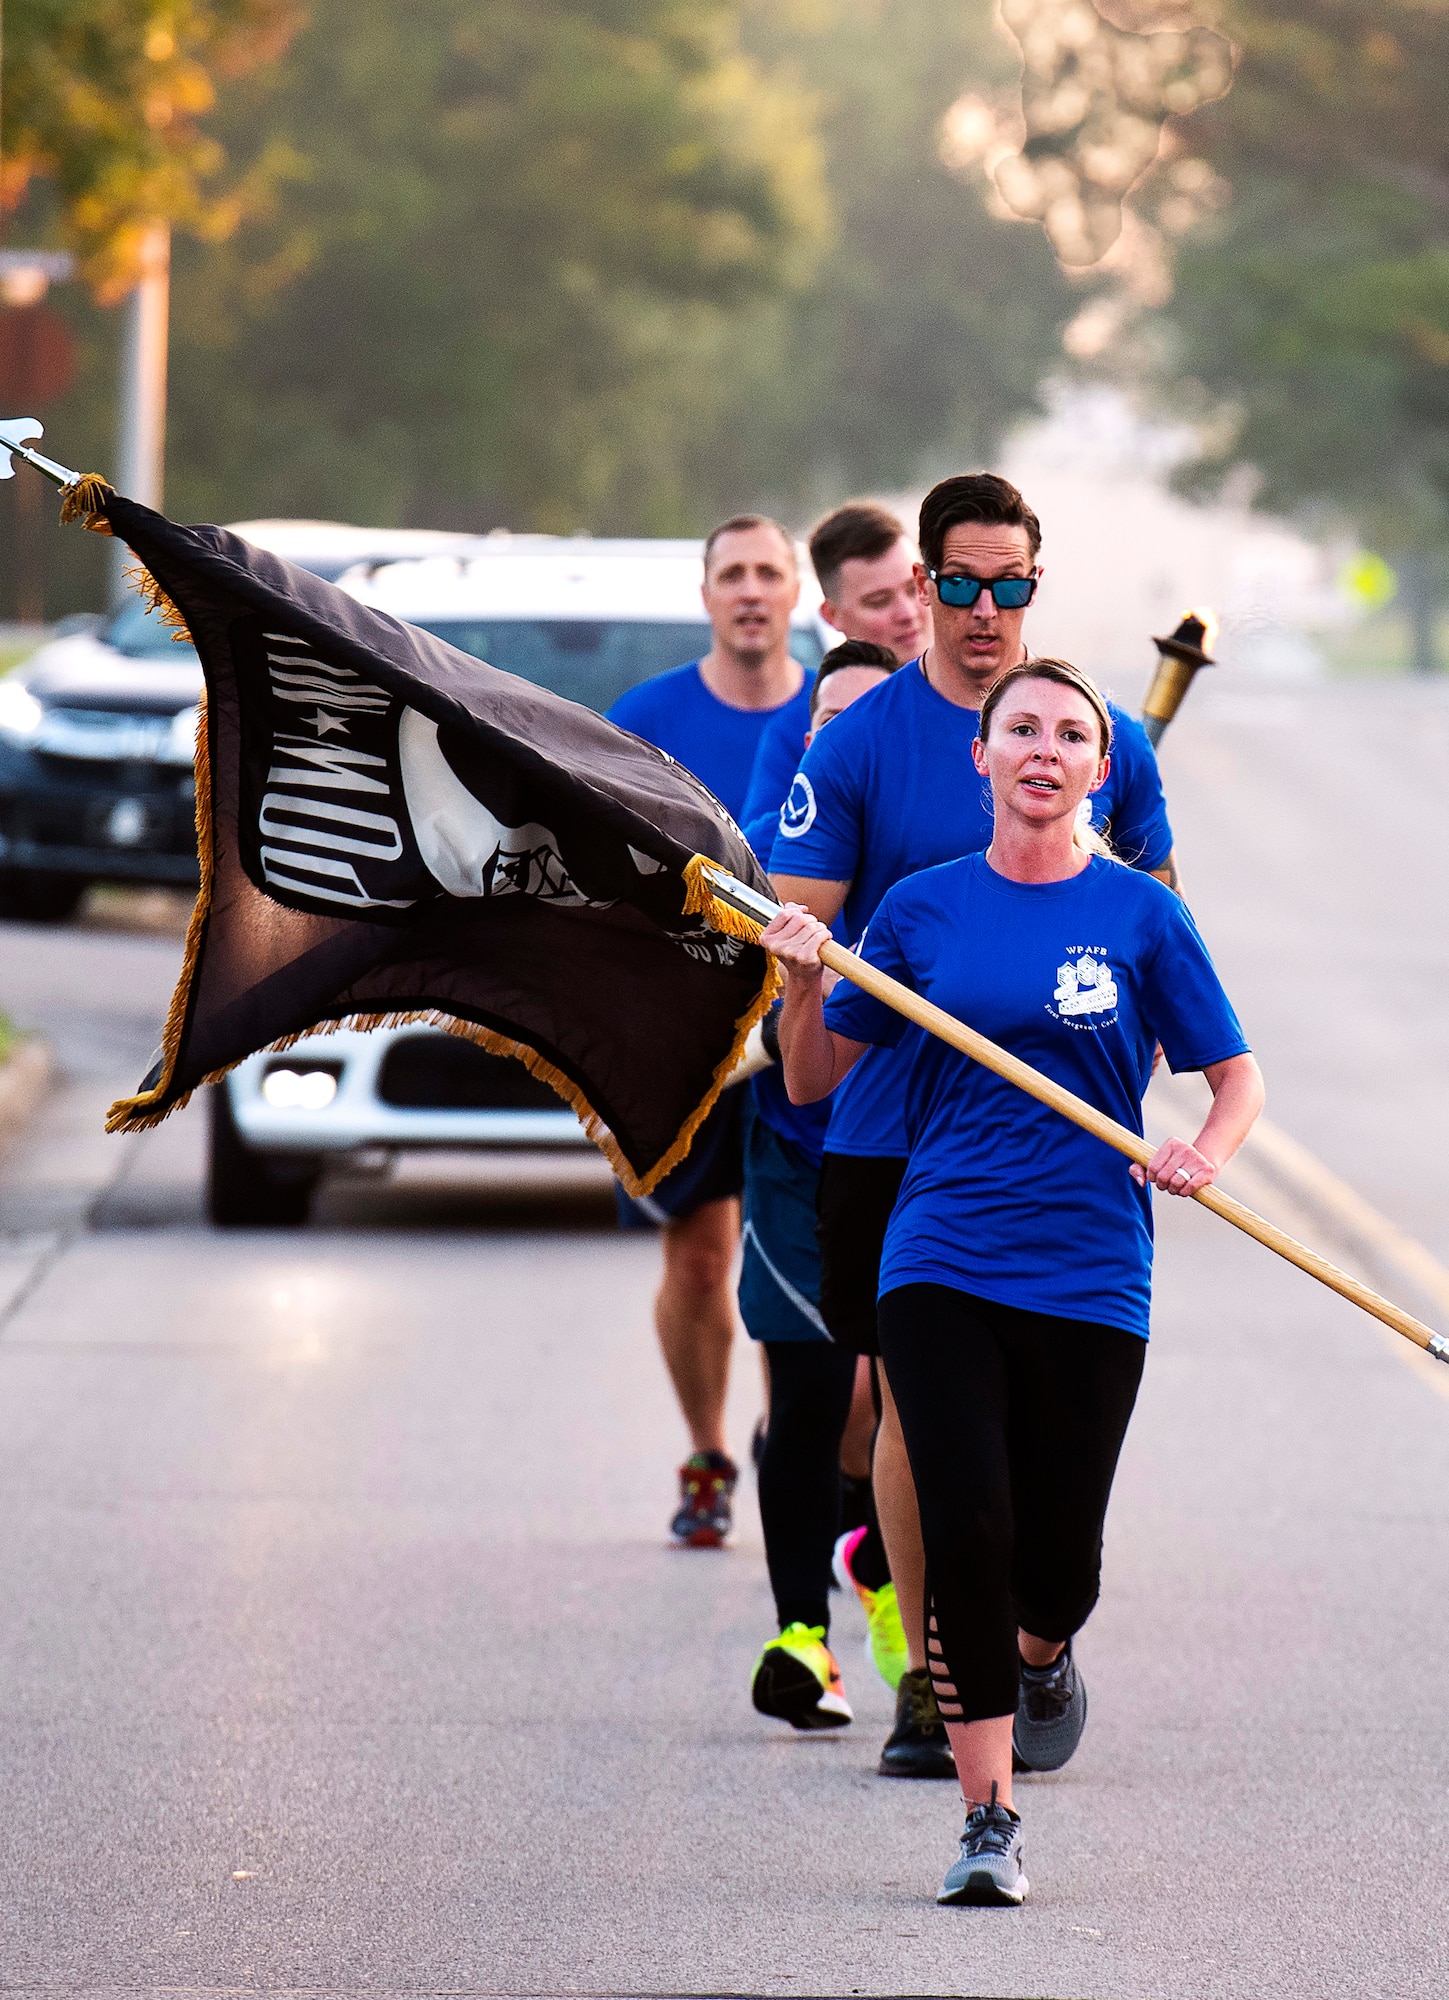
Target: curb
{"type": "Point", "coordinates": [24, 1080]}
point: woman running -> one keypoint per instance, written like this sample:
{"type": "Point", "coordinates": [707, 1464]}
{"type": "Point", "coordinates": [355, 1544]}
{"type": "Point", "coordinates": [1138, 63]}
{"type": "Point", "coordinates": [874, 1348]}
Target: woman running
{"type": "Point", "coordinates": [1016, 1279]}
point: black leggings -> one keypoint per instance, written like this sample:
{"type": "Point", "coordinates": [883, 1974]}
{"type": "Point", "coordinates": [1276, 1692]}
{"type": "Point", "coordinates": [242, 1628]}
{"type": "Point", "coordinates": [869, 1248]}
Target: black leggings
{"type": "Point", "coordinates": [1013, 1422]}
{"type": "Point", "coordinates": [810, 1389]}
{"type": "Point", "coordinates": [853, 1203]}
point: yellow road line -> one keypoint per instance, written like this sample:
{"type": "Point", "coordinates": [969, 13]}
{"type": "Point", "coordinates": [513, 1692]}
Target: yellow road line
{"type": "Point", "coordinates": [1280, 1165]}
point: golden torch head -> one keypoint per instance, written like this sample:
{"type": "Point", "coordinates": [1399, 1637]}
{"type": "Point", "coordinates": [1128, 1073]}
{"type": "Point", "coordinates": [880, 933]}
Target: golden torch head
{"type": "Point", "coordinates": [1180, 657]}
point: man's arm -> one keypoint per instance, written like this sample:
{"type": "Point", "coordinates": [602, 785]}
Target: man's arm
{"type": "Point", "coordinates": [1168, 874]}
{"type": "Point", "coordinates": [824, 900]}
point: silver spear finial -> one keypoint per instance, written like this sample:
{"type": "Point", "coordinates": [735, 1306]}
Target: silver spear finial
{"type": "Point", "coordinates": [14, 431]}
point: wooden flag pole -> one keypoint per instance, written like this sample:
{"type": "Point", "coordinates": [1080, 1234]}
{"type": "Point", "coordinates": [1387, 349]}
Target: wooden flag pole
{"type": "Point", "coordinates": [741, 900]}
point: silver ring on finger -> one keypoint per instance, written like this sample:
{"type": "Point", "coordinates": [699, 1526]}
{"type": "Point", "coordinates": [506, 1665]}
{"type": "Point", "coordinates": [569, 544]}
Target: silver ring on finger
{"type": "Point", "coordinates": [1183, 1174]}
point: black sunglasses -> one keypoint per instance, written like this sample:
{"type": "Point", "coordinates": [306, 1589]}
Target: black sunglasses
{"type": "Point", "coordinates": [1010, 593]}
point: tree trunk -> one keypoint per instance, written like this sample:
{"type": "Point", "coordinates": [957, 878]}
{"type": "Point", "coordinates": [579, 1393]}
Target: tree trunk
{"type": "Point", "coordinates": [1421, 606]}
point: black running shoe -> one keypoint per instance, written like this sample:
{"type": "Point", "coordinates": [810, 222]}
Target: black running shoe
{"type": "Point", "coordinates": [706, 1489]}
{"type": "Point", "coordinates": [1051, 1713]}
{"type": "Point", "coordinates": [918, 1746]}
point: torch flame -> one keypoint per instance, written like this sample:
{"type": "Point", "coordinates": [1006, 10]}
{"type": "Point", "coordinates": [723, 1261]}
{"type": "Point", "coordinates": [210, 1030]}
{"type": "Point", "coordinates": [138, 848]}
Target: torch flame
{"type": "Point", "coordinates": [1209, 626]}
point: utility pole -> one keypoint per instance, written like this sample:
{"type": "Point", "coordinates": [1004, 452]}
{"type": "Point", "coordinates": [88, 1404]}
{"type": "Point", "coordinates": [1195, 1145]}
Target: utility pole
{"type": "Point", "coordinates": [141, 440]}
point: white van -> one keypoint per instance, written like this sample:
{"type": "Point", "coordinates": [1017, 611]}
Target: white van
{"type": "Point", "coordinates": [587, 619]}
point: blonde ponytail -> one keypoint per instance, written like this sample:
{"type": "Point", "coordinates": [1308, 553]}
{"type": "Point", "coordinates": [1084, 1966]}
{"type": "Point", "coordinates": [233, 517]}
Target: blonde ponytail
{"type": "Point", "coordinates": [1086, 837]}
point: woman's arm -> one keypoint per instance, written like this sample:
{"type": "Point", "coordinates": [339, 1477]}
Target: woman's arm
{"type": "Point", "coordinates": [814, 1059]}
{"type": "Point", "coordinates": [1179, 1168]}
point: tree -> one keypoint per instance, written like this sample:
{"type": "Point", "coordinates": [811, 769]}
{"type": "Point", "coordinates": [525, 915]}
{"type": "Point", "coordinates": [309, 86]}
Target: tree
{"type": "Point", "coordinates": [1305, 213]}
{"type": "Point", "coordinates": [617, 264]}
{"type": "Point", "coordinates": [931, 322]}
{"type": "Point", "coordinates": [104, 101]}
{"type": "Point", "coordinates": [610, 263]}
{"type": "Point", "coordinates": [1313, 309]}
{"type": "Point", "coordinates": [508, 226]}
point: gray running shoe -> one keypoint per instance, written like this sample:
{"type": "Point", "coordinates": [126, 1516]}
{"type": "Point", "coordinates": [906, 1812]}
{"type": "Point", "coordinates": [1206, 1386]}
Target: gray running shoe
{"type": "Point", "coordinates": [1051, 1713]}
{"type": "Point", "coordinates": [987, 1871]}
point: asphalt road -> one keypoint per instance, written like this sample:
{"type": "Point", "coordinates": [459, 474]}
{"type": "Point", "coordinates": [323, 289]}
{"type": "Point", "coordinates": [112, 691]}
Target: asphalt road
{"type": "Point", "coordinates": [342, 1653]}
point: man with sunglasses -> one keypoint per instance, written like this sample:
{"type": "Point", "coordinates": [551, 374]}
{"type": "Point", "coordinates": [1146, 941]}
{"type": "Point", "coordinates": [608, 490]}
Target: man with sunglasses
{"type": "Point", "coordinates": [890, 788]}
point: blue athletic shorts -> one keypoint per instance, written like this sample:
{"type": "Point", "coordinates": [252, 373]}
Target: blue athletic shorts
{"type": "Point", "coordinates": [712, 1170]}
{"type": "Point", "coordinates": [780, 1272]}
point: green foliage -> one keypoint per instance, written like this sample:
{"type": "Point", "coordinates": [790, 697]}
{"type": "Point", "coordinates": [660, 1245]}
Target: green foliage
{"type": "Point", "coordinates": [503, 225]}
{"type": "Point", "coordinates": [931, 323]}
{"type": "Point", "coordinates": [104, 98]}
{"type": "Point", "coordinates": [607, 263]}
{"type": "Point", "coordinates": [1319, 313]}
{"type": "Point", "coordinates": [616, 264]}
{"type": "Point", "coordinates": [1314, 309]}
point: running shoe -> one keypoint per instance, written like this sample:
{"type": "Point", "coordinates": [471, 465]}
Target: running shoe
{"type": "Point", "coordinates": [918, 1746]}
{"type": "Point", "coordinates": [1051, 1713]}
{"type": "Point", "coordinates": [988, 1870]}
{"type": "Point", "coordinates": [706, 1489]}
{"type": "Point", "coordinates": [885, 1636]}
{"type": "Point", "coordinates": [796, 1679]}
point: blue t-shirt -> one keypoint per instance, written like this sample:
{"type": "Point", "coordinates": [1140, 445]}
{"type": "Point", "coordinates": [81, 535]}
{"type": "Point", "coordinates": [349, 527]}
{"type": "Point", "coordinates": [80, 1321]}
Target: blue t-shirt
{"type": "Point", "coordinates": [1003, 1197]}
{"type": "Point", "coordinates": [782, 745]}
{"type": "Point", "coordinates": [888, 789]}
{"type": "Point", "coordinates": [677, 714]}
{"type": "Point", "coordinates": [803, 1124]}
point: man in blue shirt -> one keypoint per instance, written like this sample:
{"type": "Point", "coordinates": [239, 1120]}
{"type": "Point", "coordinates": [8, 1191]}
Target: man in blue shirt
{"type": "Point", "coordinates": [709, 716]}
{"type": "Point", "coordinates": [801, 1457]}
{"type": "Point", "coordinates": [891, 788]}
{"type": "Point", "coordinates": [864, 562]}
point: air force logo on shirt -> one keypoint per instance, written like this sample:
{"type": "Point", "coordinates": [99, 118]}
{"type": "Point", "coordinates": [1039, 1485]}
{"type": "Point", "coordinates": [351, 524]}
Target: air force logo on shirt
{"type": "Point", "coordinates": [797, 815]}
{"type": "Point", "coordinates": [1085, 986]}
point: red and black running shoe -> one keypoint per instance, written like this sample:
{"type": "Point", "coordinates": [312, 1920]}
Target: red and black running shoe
{"type": "Point", "coordinates": [706, 1491]}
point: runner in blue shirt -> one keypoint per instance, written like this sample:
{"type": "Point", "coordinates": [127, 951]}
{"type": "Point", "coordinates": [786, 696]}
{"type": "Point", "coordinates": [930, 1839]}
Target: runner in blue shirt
{"type": "Point", "coordinates": [887, 790]}
{"type": "Point", "coordinates": [812, 1381]}
{"type": "Point", "coordinates": [865, 566]}
{"type": "Point", "coordinates": [1016, 1274]}
{"type": "Point", "coordinates": [864, 562]}
{"type": "Point", "coordinates": [709, 716]}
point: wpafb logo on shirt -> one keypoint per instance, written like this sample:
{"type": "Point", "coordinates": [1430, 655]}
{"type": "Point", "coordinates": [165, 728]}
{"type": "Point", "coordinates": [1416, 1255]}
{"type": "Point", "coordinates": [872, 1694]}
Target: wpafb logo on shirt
{"type": "Point", "coordinates": [1086, 992]}
{"type": "Point", "coordinates": [797, 815]}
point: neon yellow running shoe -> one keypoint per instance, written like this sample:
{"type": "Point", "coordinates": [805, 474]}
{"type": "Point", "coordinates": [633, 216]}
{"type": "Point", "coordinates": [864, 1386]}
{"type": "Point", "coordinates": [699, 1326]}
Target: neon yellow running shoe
{"type": "Point", "coordinates": [885, 1636]}
{"type": "Point", "coordinates": [796, 1679]}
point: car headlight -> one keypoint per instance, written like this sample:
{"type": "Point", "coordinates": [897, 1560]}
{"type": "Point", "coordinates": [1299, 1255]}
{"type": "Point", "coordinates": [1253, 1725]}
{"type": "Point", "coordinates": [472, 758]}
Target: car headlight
{"type": "Point", "coordinates": [180, 746]}
{"type": "Point", "coordinates": [299, 1089]}
{"type": "Point", "coordinates": [20, 713]}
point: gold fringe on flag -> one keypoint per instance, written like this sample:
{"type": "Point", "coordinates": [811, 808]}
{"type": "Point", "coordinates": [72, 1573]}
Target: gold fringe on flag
{"type": "Point", "coordinates": [701, 901]}
{"type": "Point", "coordinates": [140, 1113]}
{"type": "Point", "coordinates": [82, 502]}
{"type": "Point", "coordinates": [134, 1114]}
{"type": "Point", "coordinates": [155, 599]}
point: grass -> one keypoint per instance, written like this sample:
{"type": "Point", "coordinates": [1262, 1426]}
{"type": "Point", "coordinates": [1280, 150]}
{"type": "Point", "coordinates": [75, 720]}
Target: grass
{"type": "Point", "coordinates": [9, 1040]}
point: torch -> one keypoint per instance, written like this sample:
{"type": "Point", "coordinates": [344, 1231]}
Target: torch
{"type": "Point", "coordinates": [1181, 656]}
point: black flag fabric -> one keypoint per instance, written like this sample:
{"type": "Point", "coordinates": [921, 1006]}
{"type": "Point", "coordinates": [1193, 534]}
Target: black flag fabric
{"type": "Point", "coordinates": [392, 831]}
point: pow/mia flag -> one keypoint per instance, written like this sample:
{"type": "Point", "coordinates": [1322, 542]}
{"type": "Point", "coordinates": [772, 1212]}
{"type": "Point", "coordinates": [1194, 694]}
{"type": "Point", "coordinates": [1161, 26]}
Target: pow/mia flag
{"type": "Point", "coordinates": [391, 831]}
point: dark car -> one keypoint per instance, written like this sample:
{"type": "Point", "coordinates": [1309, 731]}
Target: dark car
{"type": "Point", "coordinates": [97, 733]}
